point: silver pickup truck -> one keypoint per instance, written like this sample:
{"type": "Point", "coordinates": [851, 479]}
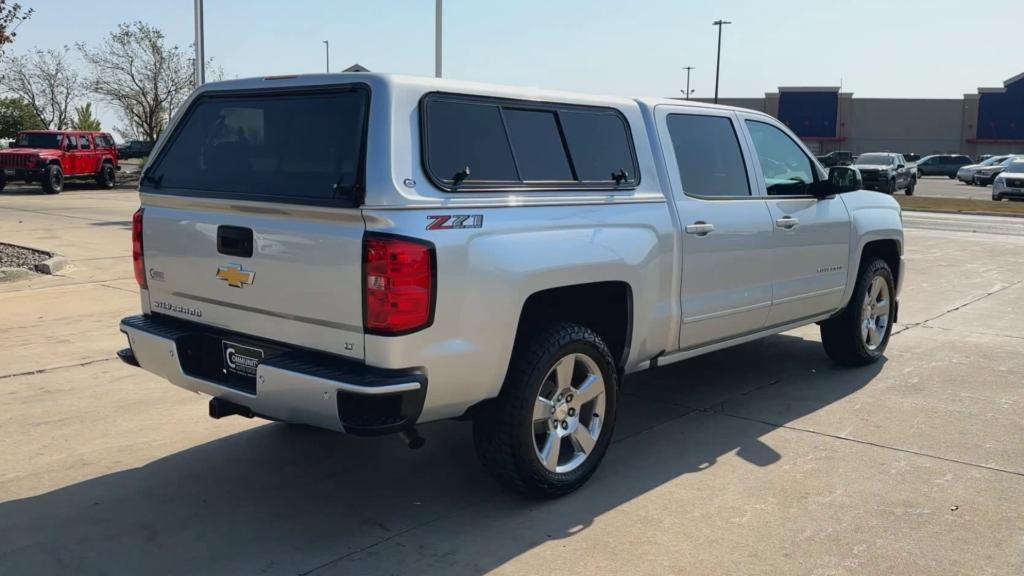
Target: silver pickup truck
{"type": "Point", "coordinates": [365, 253]}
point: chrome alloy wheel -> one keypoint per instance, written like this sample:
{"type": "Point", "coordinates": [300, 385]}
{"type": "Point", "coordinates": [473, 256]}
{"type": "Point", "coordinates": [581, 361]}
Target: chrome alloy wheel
{"type": "Point", "coordinates": [874, 316]}
{"type": "Point", "coordinates": [568, 413]}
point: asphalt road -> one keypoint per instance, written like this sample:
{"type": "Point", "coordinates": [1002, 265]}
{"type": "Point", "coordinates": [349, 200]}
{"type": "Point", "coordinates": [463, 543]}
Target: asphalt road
{"type": "Point", "coordinates": [760, 459]}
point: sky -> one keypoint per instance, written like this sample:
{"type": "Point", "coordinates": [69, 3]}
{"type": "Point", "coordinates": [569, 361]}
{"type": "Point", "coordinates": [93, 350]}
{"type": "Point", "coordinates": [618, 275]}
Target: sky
{"type": "Point", "coordinates": [875, 48]}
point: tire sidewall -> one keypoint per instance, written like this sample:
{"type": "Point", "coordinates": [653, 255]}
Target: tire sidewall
{"type": "Point", "coordinates": [48, 177]}
{"type": "Point", "coordinates": [874, 269]}
{"type": "Point", "coordinates": [523, 424]}
{"type": "Point", "coordinates": [108, 176]}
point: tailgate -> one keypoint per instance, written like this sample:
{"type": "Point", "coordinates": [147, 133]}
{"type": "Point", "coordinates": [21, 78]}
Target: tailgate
{"type": "Point", "coordinates": [301, 284]}
{"type": "Point", "coordinates": [250, 215]}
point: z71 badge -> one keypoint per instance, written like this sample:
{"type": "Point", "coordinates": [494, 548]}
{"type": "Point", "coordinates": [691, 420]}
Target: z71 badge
{"type": "Point", "coordinates": [449, 222]}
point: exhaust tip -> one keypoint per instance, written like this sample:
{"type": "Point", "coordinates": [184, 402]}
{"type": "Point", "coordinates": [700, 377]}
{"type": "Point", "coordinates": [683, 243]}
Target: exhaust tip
{"type": "Point", "coordinates": [412, 438]}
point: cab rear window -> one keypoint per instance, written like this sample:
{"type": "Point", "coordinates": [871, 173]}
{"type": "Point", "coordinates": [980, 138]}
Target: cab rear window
{"type": "Point", "coordinates": [477, 144]}
{"type": "Point", "coordinates": [304, 147]}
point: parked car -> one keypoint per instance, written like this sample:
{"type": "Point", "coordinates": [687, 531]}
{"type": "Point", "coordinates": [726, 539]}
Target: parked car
{"type": "Point", "coordinates": [836, 158]}
{"type": "Point", "coordinates": [1010, 183]}
{"type": "Point", "coordinates": [135, 149]}
{"type": "Point", "coordinates": [941, 165]}
{"type": "Point", "coordinates": [886, 172]}
{"type": "Point", "coordinates": [966, 173]}
{"type": "Point", "coordinates": [409, 267]}
{"type": "Point", "coordinates": [52, 156]}
{"type": "Point", "coordinates": [985, 176]}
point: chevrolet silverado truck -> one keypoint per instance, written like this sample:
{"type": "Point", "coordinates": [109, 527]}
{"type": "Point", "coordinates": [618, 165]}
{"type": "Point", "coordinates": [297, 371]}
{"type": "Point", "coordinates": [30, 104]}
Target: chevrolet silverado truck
{"type": "Point", "coordinates": [367, 253]}
{"type": "Point", "coordinates": [50, 157]}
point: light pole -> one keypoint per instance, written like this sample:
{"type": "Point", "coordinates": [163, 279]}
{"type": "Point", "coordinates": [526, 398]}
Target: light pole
{"type": "Point", "coordinates": [200, 69]}
{"type": "Point", "coordinates": [718, 62]}
{"type": "Point", "coordinates": [438, 21]}
{"type": "Point", "coordinates": [327, 55]}
{"type": "Point", "coordinates": [688, 92]}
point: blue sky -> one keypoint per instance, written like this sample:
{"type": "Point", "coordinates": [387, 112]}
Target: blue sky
{"type": "Point", "coordinates": [933, 49]}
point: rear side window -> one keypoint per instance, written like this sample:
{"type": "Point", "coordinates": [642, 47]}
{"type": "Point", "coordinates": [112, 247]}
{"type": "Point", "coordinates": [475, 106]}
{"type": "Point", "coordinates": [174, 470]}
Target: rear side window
{"type": "Point", "coordinates": [708, 154]}
{"type": "Point", "coordinates": [283, 147]}
{"type": "Point", "coordinates": [472, 143]}
{"type": "Point", "coordinates": [83, 140]}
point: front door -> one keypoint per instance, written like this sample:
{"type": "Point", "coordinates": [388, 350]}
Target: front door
{"type": "Point", "coordinates": [72, 158]}
{"type": "Point", "coordinates": [811, 236]}
{"type": "Point", "coordinates": [725, 287]}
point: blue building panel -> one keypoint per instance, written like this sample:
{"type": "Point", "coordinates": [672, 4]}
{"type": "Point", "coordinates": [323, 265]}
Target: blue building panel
{"type": "Point", "coordinates": [810, 114]}
{"type": "Point", "coordinates": [1001, 114]}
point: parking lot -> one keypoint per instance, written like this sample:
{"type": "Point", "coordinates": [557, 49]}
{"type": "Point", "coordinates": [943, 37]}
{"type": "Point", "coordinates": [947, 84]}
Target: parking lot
{"type": "Point", "coordinates": [764, 458]}
{"type": "Point", "coordinates": [942, 187]}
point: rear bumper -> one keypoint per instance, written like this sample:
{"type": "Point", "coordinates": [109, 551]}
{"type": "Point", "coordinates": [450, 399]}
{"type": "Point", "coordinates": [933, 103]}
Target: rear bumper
{"type": "Point", "coordinates": [291, 385]}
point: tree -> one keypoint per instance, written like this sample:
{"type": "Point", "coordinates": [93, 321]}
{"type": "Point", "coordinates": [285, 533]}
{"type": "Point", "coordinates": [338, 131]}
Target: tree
{"type": "Point", "coordinates": [138, 74]}
{"type": "Point", "coordinates": [46, 82]}
{"type": "Point", "coordinates": [15, 116]}
{"type": "Point", "coordinates": [11, 16]}
{"type": "Point", "coordinates": [84, 120]}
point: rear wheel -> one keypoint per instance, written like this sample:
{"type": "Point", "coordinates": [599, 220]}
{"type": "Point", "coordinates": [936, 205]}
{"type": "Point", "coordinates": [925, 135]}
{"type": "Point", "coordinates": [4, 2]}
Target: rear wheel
{"type": "Point", "coordinates": [859, 334]}
{"type": "Point", "coordinates": [952, 176]}
{"type": "Point", "coordinates": [53, 179]}
{"type": "Point", "coordinates": [548, 430]}
{"type": "Point", "coordinates": [106, 178]}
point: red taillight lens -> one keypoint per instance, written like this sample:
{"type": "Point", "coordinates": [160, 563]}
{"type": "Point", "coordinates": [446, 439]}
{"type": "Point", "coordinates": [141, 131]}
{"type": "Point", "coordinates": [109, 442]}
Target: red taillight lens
{"type": "Point", "coordinates": [137, 260]}
{"type": "Point", "coordinates": [398, 276]}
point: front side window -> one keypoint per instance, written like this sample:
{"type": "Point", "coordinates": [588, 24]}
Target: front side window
{"type": "Point", "coordinates": [472, 143]}
{"type": "Point", "coordinates": [708, 156]}
{"type": "Point", "coordinates": [280, 146]}
{"type": "Point", "coordinates": [787, 170]}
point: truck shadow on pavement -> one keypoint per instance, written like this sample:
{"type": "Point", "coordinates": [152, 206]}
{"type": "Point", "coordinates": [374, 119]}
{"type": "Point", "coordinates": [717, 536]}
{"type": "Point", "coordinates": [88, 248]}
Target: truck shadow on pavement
{"type": "Point", "coordinates": [278, 499]}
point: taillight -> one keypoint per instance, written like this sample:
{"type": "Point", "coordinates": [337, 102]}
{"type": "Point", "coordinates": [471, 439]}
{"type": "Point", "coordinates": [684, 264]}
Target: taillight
{"type": "Point", "coordinates": [398, 281]}
{"type": "Point", "coordinates": [137, 260]}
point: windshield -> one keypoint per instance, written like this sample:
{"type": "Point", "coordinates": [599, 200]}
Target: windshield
{"type": "Point", "coordinates": [993, 160]}
{"type": "Point", "coordinates": [1015, 166]}
{"type": "Point", "coordinates": [883, 159]}
{"type": "Point", "coordinates": [280, 147]}
{"type": "Point", "coordinates": [37, 140]}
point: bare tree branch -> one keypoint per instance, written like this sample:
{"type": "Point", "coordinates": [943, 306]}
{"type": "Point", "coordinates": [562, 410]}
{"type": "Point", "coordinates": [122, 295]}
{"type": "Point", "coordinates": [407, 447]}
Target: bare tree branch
{"type": "Point", "coordinates": [137, 73]}
{"type": "Point", "coordinates": [46, 82]}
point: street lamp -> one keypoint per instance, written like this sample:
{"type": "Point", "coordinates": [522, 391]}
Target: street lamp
{"type": "Point", "coordinates": [438, 20]}
{"type": "Point", "coordinates": [327, 55]}
{"type": "Point", "coordinates": [200, 70]}
{"type": "Point", "coordinates": [718, 62]}
{"type": "Point", "coordinates": [688, 91]}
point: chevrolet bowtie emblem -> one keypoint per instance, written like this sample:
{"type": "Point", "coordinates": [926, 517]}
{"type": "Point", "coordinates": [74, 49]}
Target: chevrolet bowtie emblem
{"type": "Point", "coordinates": [235, 276]}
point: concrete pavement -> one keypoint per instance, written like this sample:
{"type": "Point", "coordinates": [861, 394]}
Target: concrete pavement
{"type": "Point", "coordinates": [760, 459]}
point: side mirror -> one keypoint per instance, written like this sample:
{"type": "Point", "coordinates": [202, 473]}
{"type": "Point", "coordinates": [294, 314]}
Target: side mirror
{"type": "Point", "coordinates": [844, 179]}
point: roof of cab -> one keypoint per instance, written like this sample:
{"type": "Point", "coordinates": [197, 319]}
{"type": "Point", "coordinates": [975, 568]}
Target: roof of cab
{"type": "Point", "coordinates": [424, 84]}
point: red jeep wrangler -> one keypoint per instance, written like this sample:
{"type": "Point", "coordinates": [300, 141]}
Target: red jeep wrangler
{"type": "Point", "coordinates": [50, 156]}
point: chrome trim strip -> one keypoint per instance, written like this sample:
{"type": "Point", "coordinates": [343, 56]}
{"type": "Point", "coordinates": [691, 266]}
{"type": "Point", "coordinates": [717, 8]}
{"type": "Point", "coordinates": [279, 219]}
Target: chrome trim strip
{"type": "Point", "coordinates": [293, 317]}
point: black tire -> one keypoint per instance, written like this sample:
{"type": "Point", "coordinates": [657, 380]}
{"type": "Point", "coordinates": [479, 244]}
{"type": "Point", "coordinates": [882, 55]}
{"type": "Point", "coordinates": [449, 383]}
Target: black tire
{"type": "Point", "coordinates": [53, 179]}
{"type": "Point", "coordinates": [504, 431]}
{"type": "Point", "coordinates": [910, 187]}
{"type": "Point", "coordinates": [890, 188]}
{"type": "Point", "coordinates": [107, 177]}
{"type": "Point", "coordinates": [952, 176]}
{"type": "Point", "coordinates": [841, 335]}
{"type": "Point", "coordinates": [3, 180]}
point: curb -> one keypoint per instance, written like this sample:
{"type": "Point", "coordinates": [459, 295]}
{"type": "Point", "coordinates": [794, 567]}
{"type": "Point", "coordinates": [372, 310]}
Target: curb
{"type": "Point", "coordinates": [55, 263]}
{"type": "Point", "coordinates": [13, 274]}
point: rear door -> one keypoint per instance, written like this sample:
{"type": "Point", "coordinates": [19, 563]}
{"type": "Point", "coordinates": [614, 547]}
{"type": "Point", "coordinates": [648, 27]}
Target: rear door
{"type": "Point", "coordinates": [727, 232]}
{"type": "Point", "coordinates": [250, 217]}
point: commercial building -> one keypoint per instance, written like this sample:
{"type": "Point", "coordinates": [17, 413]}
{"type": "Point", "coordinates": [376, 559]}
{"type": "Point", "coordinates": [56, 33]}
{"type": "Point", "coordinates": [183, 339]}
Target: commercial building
{"type": "Point", "coordinates": [989, 121]}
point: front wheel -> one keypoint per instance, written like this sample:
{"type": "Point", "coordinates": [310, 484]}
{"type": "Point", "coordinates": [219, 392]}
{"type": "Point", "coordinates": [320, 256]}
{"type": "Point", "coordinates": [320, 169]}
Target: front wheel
{"type": "Point", "coordinates": [53, 179]}
{"type": "Point", "coordinates": [860, 333]}
{"type": "Point", "coordinates": [910, 187]}
{"type": "Point", "coordinates": [3, 180]}
{"type": "Point", "coordinates": [890, 188]}
{"type": "Point", "coordinates": [548, 430]}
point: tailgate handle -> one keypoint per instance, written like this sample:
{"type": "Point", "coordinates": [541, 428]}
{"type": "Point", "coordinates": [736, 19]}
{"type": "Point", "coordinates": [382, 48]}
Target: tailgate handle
{"type": "Point", "coordinates": [234, 241]}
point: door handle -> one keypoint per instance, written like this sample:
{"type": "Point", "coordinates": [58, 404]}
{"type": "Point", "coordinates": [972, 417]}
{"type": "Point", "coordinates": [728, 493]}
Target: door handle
{"type": "Point", "coordinates": [699, 228]}
{"type": "Point", "coordinates": [787, 222]}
